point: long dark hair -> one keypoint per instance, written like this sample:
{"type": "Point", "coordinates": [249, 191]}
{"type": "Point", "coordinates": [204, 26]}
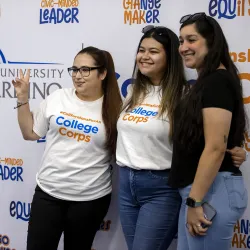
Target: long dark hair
{"type": "Point", "coordinates": [191, 128]}
{"type": "Point", "coordinates": [173, 81]}
{"type": "Point", "coordinates": [112, 101]}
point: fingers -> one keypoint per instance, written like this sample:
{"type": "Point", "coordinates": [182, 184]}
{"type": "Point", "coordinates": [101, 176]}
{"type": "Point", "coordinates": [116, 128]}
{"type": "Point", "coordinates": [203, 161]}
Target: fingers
{"type": "Point", "coordinates": [21, 73]}
{"type": "Point", "coordinates": [14, 83]}
{"type": "Point", "coordinates": [237, 164]}
{"type": "Point", "coordinates": [191, 230]}
{"type": "Point", "coordinates": [196, 230]}
{"type": "Point", "coordinates": [199, 230]}
{"type": "Point", "coordinates": [236, 149]}
{"type": "Point", "coordinates": [236, 158]}
{"type": "Point", "coordinates": [17, 81]}
{"type": "Point", "coordinates": [27, 76]}
{"type": "Point", "coordinates": [205, 221]}
{"type": "Point", "coordinates": [233, 150]}
{"type": "Point", "coordinates": [237, 161]}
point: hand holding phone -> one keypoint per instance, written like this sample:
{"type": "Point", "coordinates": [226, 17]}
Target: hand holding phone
{"type": "Point", "coordinates": [209, 212]}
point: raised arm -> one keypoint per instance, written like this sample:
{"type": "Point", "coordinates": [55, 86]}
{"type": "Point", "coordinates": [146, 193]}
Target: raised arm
{"type": "Point", "coordinates": [24, 115]}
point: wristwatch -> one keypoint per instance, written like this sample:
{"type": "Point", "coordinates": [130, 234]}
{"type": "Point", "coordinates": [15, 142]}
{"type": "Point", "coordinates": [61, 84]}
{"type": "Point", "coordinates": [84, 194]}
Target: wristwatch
{"type": "Point", "coordinates": [193, 203]}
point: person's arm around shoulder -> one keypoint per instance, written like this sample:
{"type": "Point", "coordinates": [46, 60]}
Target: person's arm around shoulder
{"type": "Point", "coordinates": [25, 118]}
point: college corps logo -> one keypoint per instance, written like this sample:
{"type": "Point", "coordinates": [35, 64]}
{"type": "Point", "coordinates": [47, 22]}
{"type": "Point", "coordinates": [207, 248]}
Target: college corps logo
{"type": "Point", "coordinates": [229, 9]}
{"type": "Point", "coordinates": [142, 113]}
{"type": "Point", "coordinates": [11, 169]}
{"type": "Point", "coordinates": [68, 122]}
{"type": "Point", "coordinates": [59, 11]}
{"type": "Point", "coordinates": [44, 71]}
{"type": "Point", "coordinates": [241, 238]}
{"type": "Point", "coordinates": [141, 11]}
{"type": "Point", "coordinates": [5, 242]}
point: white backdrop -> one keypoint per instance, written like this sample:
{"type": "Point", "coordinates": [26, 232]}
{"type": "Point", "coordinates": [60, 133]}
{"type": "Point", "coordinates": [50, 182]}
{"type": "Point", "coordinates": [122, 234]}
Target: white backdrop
{"type": "Point", "coordinates": [45, 36]}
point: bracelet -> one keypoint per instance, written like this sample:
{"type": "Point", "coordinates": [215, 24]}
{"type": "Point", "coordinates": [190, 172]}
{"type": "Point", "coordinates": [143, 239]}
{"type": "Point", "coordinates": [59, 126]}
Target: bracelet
{"type": "Point", "coordinates": [19, 104]}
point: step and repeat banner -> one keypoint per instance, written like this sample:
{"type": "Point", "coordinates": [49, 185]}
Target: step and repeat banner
{"type": "Point", "coordinates": [45, 35]}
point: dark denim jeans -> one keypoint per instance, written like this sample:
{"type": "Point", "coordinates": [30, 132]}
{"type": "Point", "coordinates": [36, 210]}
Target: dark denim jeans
{"type": "Point", "coordinates": [149, 209]}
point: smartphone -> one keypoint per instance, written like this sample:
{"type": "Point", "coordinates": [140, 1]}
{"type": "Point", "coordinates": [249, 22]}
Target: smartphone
{"type": "Point", "coordinates": [209, 212]}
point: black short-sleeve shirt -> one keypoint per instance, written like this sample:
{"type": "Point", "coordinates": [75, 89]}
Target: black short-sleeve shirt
{"type": "Point", "coordinates": [218, 93]}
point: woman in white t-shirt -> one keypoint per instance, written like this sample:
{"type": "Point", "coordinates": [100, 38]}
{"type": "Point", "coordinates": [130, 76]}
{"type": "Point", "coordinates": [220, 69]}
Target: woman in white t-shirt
{"type": "Point", "coordinates": [74, 180]}
{"type": "Point", "coordinates": [149, 207]}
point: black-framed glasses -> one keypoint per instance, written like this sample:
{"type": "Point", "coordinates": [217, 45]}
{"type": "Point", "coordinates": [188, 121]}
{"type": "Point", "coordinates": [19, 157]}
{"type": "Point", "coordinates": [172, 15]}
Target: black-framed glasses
{"type": "Point", "coordinates": [193, 17]}
{"type": "Point", "coordinates": [84, 71]}
{"type": "Point", "coordinates": [160, 30]}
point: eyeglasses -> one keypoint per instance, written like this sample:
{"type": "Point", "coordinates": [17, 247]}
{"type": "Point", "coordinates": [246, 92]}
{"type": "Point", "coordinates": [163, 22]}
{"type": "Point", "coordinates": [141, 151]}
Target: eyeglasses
{"type": "Point", "coordinates": [193, 17]}
{"type": "Point", "coordinates": [160, 30]}
{"type": "Point", "coordinates": [84, 71]}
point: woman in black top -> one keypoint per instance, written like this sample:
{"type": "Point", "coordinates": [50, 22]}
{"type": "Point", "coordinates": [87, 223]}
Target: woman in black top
{"type": "Point", "coordinates": [208, 120]}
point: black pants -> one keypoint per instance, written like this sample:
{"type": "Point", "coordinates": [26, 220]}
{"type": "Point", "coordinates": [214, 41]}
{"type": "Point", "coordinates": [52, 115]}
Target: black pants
{"type": "Point", "coordinates": [79, 220]}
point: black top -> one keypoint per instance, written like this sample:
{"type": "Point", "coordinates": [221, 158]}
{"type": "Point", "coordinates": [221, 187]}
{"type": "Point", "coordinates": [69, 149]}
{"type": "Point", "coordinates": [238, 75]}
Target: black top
{"type": "Point", "coordinates": [218, 92]}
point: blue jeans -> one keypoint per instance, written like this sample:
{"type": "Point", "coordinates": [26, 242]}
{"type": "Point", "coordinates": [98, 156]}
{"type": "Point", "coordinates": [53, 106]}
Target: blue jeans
{"type": "Point", "coordinates": [228, 196]}
{"type": "Point", "coordinates": [149, 209]}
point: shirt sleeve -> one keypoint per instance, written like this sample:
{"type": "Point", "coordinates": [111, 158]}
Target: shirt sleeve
{"type": "Point", "coordinates": [40, 120]}
{"type": "Point", "coordinates": [218, 93]}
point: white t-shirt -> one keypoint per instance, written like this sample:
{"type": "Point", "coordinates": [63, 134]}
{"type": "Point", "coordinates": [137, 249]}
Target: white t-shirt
{"type": "Point", "coordinates": [75, 164]}
{"type": "Point", "coordinates": [143, 136]}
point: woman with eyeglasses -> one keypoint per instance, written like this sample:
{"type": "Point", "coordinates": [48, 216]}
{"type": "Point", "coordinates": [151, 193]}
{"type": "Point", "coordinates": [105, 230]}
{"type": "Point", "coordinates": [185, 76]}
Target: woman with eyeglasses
{"type": "Point", "coordinates": [74, 180]}
{"type": "Point", "coordinates": [209, 119]}
{"type": "Point", "coordinates": [149, 207]}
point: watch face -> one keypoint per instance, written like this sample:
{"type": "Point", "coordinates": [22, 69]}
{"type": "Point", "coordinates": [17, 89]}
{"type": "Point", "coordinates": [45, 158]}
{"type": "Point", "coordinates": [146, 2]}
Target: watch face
{"type": "Point", "coordinates": [190, 202]}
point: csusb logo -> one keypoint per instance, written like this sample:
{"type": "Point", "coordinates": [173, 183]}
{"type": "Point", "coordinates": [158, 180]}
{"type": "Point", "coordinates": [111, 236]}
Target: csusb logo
{"type": "Point", "coordinates": [5, 242]}
{"type": "Point", "coordinates": [228, 9]}
{"type": "Point", "coordinates": [59, 11]}
{"type": "Point", "coordinates": [141, 11]}
{"type": "Point", "coordinates": [20, 210]}
{"type": "Point", "coordinates": [11, 169]}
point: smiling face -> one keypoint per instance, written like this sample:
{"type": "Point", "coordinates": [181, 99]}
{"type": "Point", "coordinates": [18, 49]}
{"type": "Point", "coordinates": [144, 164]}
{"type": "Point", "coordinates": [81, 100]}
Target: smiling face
{"type": "Point", "coordinates": [193, 47]}
{"type": "Point", "coordinates": [151, 59]}
{"type": "Point", "coordinates": [87, 86]}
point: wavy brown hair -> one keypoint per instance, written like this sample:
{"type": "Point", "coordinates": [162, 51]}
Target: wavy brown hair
{"type": "Point", "coordinates": [191, 129]}
{"type": "Point", "coordinates": [112, 101]}
{"type": "Point", "coordinates": [173, 82]}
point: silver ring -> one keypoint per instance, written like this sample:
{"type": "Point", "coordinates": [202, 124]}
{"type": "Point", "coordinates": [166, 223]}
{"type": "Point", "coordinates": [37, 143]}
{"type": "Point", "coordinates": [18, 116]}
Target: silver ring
{"type": "Point", "coordinates": [198, 225]}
